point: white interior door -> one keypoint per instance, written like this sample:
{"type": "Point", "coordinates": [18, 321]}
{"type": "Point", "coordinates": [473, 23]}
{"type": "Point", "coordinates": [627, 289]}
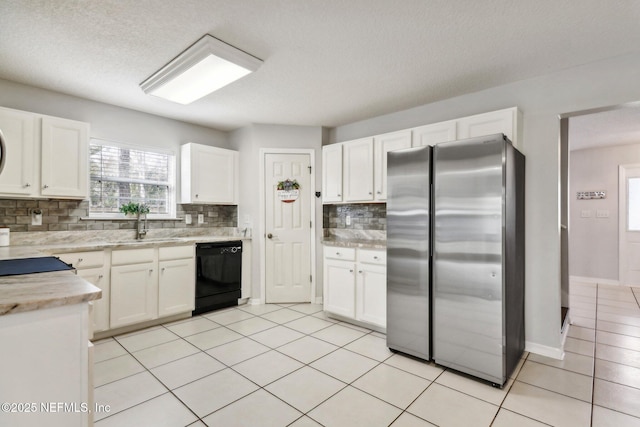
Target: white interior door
{"type": "Point", "coordinates": [629, 224]}
{"type": "Point", "coordinates": [288, 230]}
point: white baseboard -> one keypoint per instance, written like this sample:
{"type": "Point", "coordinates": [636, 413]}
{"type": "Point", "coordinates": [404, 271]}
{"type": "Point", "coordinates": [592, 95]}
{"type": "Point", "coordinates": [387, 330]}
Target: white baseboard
{"type": "Point", "coordinates": [594, 280]}
{"type": "Point", "coordinates": [254, 301]}
{"type": "Point", "coordinates": [543, 350]}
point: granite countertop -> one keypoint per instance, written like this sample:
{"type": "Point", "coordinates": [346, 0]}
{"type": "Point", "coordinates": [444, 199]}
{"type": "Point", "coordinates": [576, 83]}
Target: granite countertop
{"type": "Point", "coordinates": [59, 248]}
{"type": "Point", "coordinates": [28, 292]}
{"type": "Point", "coordinates": [355, 243]}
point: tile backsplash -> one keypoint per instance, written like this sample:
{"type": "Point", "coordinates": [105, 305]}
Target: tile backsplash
{"type": "Point", "coordinates": [67, 215]}
{"type": "Point", "coordinates": [364, 216]}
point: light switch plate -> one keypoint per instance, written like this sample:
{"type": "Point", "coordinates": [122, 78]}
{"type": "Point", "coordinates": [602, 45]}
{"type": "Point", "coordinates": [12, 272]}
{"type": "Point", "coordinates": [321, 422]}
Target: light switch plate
{"type": "Point", "coordinates": [602, 213]}
{"type": "Point", "coordinates": [585, 214]}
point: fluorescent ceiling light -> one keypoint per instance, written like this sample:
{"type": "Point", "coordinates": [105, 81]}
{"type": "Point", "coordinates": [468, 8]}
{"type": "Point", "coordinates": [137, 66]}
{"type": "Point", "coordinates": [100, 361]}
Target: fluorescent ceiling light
{"type": "Point", "coordinates": [206, 66]}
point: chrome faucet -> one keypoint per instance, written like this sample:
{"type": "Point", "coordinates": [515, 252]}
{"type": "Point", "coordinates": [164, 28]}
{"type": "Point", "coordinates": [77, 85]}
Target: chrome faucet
{"type": "Point", "coordinates": [141, 230]}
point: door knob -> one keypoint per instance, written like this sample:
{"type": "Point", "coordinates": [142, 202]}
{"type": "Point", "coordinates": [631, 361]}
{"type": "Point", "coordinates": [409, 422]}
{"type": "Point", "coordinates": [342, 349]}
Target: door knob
{"type": "Point", "coordinates": [269, 236]}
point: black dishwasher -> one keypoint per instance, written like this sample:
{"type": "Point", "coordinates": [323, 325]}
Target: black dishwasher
{"type": "Point", "coordinates": [218, 275]}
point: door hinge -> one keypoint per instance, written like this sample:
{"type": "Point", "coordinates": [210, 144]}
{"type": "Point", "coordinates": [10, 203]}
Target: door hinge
{"type": "Point", "coordinates": [311, 278]}
{"type": "Point", "coordinates": [310, 224]}
{"type": "Point", "coordinates": [309, 169]}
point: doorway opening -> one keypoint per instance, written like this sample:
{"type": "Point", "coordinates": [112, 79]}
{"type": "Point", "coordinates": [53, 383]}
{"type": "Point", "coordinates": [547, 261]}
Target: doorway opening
{"type": "Point", "coordinates": [594, 145]}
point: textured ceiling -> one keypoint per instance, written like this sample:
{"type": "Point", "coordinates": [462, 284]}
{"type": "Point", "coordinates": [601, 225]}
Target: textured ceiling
{"type": "Point", "coordinates": [613, 127]}
{"type": "Point", "coordinates": [326, 62]}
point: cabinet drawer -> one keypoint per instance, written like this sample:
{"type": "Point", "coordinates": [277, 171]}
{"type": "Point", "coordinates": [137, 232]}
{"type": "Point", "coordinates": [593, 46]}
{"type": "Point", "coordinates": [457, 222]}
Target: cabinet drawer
{"type": "Point", "coordinates": [132, 256]}
{"type": "Point", "coordinates": [175, 252]}
{"type": "Point", "coordinates": [371, 256]}
{"type": "Point", "coordinates": [334, 252]}
{"type": "Point", "coordinates": [81, 260]}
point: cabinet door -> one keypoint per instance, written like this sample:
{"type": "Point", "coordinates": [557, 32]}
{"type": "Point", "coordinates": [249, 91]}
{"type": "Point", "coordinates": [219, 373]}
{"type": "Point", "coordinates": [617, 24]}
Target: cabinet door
{"type": "Point", "coordinates": [340, 288]}
{"type": "Point", "coordinates": [501, 121]}
{"type": "Point", "coordinates": [65, 158]}
{"type": "Point", "coordinates": [210, 175]}
{"type": "Point", "coordinates": [176, 286]}
{"type": "Point", "coordinates": [382, 145]}
{"type": "Point", "coordinates": [134, 294]}
{"type": "Point", "coordinates": [332, 173]}
{"type": "Point", "coordinates": [19, 131]}
{"type": "Point", "coordinates": [434, 134]}
{"type": "Point", "coordinates": [372, 294]}
{"type": "Point", "coordinates": [358, 170]}
{"type": "Point", "coordinates": [99, 278]}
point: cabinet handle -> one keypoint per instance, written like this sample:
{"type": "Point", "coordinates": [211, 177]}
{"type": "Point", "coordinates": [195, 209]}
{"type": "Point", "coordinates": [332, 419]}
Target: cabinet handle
{"type": "Point", "coordinates": [378, 192]}
{"type": "Point", "coordinates": [375, 257]}
{"type": "Point", "coordinates": [45, 186]}
{"type": "Point", "coordinates": [196, 196]}
{"type": "Point", "coordinates": [370, 193]}
{"type": "Point", "coordinates": [80, 260]}
{"type": "Point", "coordinates": [360, 271]}
{"type": "Point", "coordinates": [337, 253]}
{"type": "Point", "coordinates": [339, 195]}
{"type": "Point", "coordinates": [100, 276]}
{"type": "Point", "coordinates": [27, 185]}
{"type": "Point", "coordinates": [350, 271]}
{"type": "Point", "coordinates": [162, 269]}
{"type": "Point", "coordinates": [151, 270]}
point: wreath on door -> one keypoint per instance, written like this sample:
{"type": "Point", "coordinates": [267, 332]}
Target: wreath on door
{"type": "Point", "coordinates": [288, 190]}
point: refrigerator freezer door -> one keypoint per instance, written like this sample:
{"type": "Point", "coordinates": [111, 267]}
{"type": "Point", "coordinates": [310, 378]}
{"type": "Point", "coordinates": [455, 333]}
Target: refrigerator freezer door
{"type": "Point", "coordinates": [468, 257]}
{"type": "Point", "coordinates": [408, 251]}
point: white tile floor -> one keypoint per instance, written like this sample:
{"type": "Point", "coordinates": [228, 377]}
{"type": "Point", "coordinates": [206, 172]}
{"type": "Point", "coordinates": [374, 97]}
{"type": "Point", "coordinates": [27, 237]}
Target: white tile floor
{"type": "Point", "coordinates": [289, 365]}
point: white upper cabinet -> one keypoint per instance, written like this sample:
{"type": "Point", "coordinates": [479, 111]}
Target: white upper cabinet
{"type": "Point", "coordinates": [501, 121]}
{"type": "Point", "coordinates": [358, 170]}
{"type": "Point", "coordinates": [65, 158]}
{"type": "Point", "coordinates": [382, 145]}
{"type": "Point", "coordinates": [332, 173]}
{"type": "Point", "coordinates": [46, 156]}
{"type": "Point", "coordinates": [19, 128]}
{"type": "Point", "coordinates": [209, 175]}
{"type": "Point", "coordinates": [434, 134]}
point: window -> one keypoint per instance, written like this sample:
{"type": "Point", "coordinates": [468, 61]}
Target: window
{"type": "Point", "coordinates": [633, 204]}
{"type": "Point", "coordinates": [121, 174]}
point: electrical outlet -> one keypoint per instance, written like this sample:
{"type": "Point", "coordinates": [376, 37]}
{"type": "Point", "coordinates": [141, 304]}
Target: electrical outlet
{"type": "Point", "coordinates": [36, 218]}
{"type": "Point", "coordinates": [187, 219]}
{"type": "Point", "coordinates": [200, 218]}
{"type": "Point", "coordinates": [347, 220]}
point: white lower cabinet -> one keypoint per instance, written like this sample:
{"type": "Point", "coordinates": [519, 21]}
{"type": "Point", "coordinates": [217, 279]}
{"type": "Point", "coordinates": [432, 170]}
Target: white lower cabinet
{"type": "Point", "coordinates": [355, 284]}
{"type": "Point", "coordinates": [93, 266]}
{"type": "Point", "coordinates": [134, 293]}
{"type": "Point", "coordinates": [137, 284]}
{"type": "Point", "coordinates": [150, 283]}
{"type": "Point", "coordinates": [176, 282]}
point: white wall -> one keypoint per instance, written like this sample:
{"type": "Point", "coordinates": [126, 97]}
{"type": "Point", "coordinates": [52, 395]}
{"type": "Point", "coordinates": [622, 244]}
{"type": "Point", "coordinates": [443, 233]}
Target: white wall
{"type": "Point", "coordinates": [108, 121]}
{"type": "Point", "coordinates": [542, 101]}
{"type": "Point", "coordinates": [593, 242]}
{"type": "Point", "coordinates": [249, 141]}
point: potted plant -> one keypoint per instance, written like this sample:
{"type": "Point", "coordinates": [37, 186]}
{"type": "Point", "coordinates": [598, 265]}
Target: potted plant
{"type": "Point", "coordinates": [133, 208]}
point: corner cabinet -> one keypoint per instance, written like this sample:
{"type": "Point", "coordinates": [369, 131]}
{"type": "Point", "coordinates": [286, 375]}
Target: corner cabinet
{"type": "Point", "coordinates": [46, 156]}
{"type": "Point", "coordinates": [332, 173]}
{"type": "Point", "coordinates": [209, 175]}
{"type": "Point", "coordinates": [355, 285]}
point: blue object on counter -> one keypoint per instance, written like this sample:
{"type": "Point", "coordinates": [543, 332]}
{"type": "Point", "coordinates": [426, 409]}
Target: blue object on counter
{"type": "Point", "coordinates": [12, 267]}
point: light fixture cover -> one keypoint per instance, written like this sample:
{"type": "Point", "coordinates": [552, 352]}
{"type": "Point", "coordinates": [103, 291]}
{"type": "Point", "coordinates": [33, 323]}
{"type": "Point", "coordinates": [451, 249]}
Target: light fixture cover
{"type": "Point", "coordinates": [206, 66]}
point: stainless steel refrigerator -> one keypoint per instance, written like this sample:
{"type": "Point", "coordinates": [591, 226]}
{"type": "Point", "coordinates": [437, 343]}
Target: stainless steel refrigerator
{"type": "Point", "coordinates": [476, 213]}
{"type": "Point", "coordinates": [408, 251]}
